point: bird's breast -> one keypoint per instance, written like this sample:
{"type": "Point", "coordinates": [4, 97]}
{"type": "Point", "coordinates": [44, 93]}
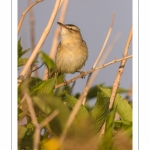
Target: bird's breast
{"type": "Point", "coordinates": [71, 57]}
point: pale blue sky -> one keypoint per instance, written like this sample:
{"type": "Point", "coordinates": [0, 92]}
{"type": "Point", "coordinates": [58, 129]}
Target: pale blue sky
{"type": "Point", "coordinates": [93, 18]}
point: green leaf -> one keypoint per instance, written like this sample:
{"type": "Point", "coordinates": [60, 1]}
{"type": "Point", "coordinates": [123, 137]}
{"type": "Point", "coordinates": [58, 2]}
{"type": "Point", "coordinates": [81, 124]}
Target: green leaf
{"type": "Point", "coordinates": [50, 103]}
{"type": "Point", "coordinates": [125, 125]}
{"type": "Point", "coordinates": [43, 105]}
{"type": "Point", "coordinates": [119, 90]}
{"type": "Point", "coordinates": [45, 58]}
{"type": "Point", "coordinates": [22, 61]}
{"type": "Point", "coordinates": [20, 52]}
{"type": "Point", "coordinates": [123, 108]}
{"type": "Point", "coordinates": [21, 131]}
{"type": "Point", "coordinates": [60, 79]}
{"type": "Point", "coordinates": [25, 51]}
{"type": "Point", "coordinates": [110, 124]}
{"type": "Point", "coordinates": [106, 141]}
{"type": "Point", "coordinates": [100, 111]}
{"type": "Point", "coordinates": [72, 102]}
{"type": "Point", "coordinates": [92, 93]}
{"type": "Point", "coordinates": [46, 86]}
{"type": "Point", "coordinates": [19, 48]}
{"type": "Point", "coordinates": [34, 81]}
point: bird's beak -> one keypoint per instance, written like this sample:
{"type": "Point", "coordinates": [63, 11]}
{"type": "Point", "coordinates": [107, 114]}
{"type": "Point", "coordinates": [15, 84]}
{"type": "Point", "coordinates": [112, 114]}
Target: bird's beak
{"type": "Point", "coordinates": [62, 25]}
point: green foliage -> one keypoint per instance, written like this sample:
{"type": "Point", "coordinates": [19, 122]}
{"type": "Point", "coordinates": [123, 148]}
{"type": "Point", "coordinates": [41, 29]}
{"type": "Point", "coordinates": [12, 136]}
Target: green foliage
{"type": "Point", "coordinates": [100, 111]}
{"type": "Point", "coordinates": [123, 107]}
{"type": "Point", "coordinates": [21, 131]}
{"type": "Point", "coordinates": [21, 52]}
{"type": "Point", "coordinates": [72, 101]}
{"type": "Point", "coordinates": [47, 104]}
{"type": "Point", "coordinates": [22, 61]}
{"type": "Point", "coordinates": [124, 125]}
{"type": "Point", "coordinates": [46, 87]}
{"type": "Point", "coordinates": [45, 58]}
{"type": "Point", "coordinates": [87, 123]}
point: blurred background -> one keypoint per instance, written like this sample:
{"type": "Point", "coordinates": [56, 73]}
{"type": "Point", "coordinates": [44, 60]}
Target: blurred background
{"type": "Point", "coordinates": [94, 19]}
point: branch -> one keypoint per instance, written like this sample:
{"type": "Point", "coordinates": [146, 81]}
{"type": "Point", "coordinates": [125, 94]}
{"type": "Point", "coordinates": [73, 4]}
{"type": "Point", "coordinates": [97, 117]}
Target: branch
{"type": "Point", "coordinates": [106, 40]}
{"type": "Point", "coordinates": [128, 95]}
{"type": "Point", "coordinates": [118, 77]}
{"type": "Point", "coordinates": [40, 43]}
{"type": "Point", "coordinates": [120, 71]}
{"type": "Point", "coordinates": [90, 71]}
{"type": "Point", "coordinates": [93, 76]}
{"type": "Point", "coordinates": [57, 34]}
{"type": "Point", "coordinates": [32, 33]}
{"type": "Point", "coordinates": [30, 107]}
{"type": "Point", "coordinates": [49, 118]}
{"type": "Point", "coordinates": [25, 12]}
{"type": "Point", "coordinates": [79, 102]}
{"type": "Point", "coordinates": [38, 126]}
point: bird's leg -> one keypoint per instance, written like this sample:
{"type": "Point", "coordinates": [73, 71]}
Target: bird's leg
{"type": "Point", "coordinates": [82, 73]}
{"type": "Point", "coordinates": [65, 82]}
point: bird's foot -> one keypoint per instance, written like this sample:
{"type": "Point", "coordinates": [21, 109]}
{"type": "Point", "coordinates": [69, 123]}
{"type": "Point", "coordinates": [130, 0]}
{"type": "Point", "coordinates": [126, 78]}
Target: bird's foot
{"type": "Point", "coordinates": [65, 82]}
{"type": "Point", "coordinates": [82, 73]}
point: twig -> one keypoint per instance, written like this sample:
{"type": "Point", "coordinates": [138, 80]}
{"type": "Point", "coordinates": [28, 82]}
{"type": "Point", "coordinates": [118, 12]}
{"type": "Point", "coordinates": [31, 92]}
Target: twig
{"type": "Point", "coordinates": [32, 33]}
{"type": "Point", "coordinates": [40, 43]}
{"type": "Point", "coordinates": [92, 70]}
{"type": "Point", "coordinates": [118, 76]}
{"type": "Point", "coordinates": [129, 93]}
{"type": "Point", "coordinates": [25, 12]}
{"type": "Point", "coordinates": [38, 126]}
{"type": "Point", "coordinates": [102, 131]}
{"type": "Point", "coordinates": [105, 42]}
{"type": "Point", "coordinates": [34, 120]}
{"type": "Point", "coordinates": [36, 137]}
{"type": "Point", "coordinates": [30, 107]}
{"type": "Point", "coordinates": [49, 118]}
{"type": "Point", "coordinates": [70, 119]}
{"type": "Point", "coordinates": [77, 106]}
{"type": "Point", "coordinates": [120, 71]}
{"type": "Point", "coordinates": [94, 74]}
{"type": "Point", "coordinates": [57, 31]}
{"type": "Point", "coordinates": [57, 34]}
{"type": "Point", "coordinates": [91, 77]}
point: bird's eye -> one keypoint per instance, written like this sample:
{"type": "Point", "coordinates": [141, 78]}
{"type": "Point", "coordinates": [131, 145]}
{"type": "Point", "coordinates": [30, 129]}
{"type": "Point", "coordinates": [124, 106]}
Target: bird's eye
{"type": "Point", "coordinates": [70, 29]}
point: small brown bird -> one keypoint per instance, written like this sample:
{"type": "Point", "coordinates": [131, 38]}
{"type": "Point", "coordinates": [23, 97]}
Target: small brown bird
{"type": "Point", "coordinates": [72, 51]}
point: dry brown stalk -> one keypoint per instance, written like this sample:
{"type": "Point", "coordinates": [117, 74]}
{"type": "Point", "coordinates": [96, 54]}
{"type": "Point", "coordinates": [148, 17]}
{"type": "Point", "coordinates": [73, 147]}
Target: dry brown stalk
{"type": "Point", "coordinates": [91, 76]}
{"type": "Point", "coordinates": [90, 71]}
{"type": "Point", "coordinates": [127, 97]}
{"type": "Point", "coordinates": [32, 22]}
{"type": "Point", "coordinates": [102, 60]}
{"type": "Point", "coordinates": [57, 34]}
{"type": "Point", "coordinates": [34, 120]}
{"type": "Point", "coordinates": [102, 131]}
{"type": "Point", "coordinates": [49, 118]}
{"type": "Point", "coordinates": [105, 42]}
{"type": "Point", "coordinates": [38, 126]}
{"type": "Point", "coordinates": [30, 107]}
{"type": "Point", "coordinates": [76, 108]}
{"type": "Point", "coordinates": [129, 93]}
{"type": "Point", "coordinates": [70, 119]}
{"type": "Point", "coordinates": [120, 71]}
{"type": "Point", "coordinates": [118, 77]}
{"type": "Point", "coordinates": [32, 33]}
{"type": "Point", "coordinates": [40, 43]}
{"type": "Point", "coordinates": [25, 12]}
{"type": "Point", "coordinates": [57, 31]}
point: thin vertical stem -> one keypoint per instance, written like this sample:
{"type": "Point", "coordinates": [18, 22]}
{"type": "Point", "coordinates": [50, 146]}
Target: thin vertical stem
{"type": "Point", "coordinates": [40, 43]}
{"type": "Point", "coordinates": [25, 12]}
{"type": "Point", "coordinates": [57, 33]}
